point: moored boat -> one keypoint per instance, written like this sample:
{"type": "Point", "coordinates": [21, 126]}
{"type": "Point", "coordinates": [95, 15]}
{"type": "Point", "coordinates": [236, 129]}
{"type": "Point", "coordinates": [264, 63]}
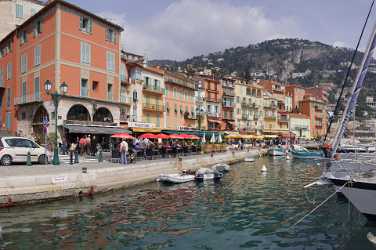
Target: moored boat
{"type": "Point", "coordinates": [207, 174]}
{"type": "Point", "coordinates": [221, 167]}
{"type": "Point", "coordinates": [299, 152]}
{"type": "Point", "coordinates": [175, 178]}
{"type": "Point", "coordinates": [250, 159]}
{"type": "Point", "coordinates": [277, 151]}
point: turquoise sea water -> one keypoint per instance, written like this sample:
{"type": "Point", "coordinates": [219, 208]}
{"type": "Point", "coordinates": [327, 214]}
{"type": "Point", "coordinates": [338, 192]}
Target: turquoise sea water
{"type": "Point", "coordinates": [245, 210]}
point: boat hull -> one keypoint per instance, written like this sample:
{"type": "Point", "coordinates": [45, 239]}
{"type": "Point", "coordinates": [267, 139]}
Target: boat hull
{"type": "Point", "coordinates": [361, 194]}
{"type": "Point", "coordinates": [175, 178]}
{"type": "Point", "coordinates": [276, 152]}
{"type": "Point", "coordinates": [307, 155]}
{"type": "Point", "coordinates": [208, 176]}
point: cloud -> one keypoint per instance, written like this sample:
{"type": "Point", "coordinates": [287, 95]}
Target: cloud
{"type": "Point", "coordinates": [192, 27]}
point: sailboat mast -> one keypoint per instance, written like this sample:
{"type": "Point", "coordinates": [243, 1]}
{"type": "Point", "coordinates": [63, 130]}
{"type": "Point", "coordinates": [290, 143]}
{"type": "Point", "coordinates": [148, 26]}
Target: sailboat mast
{"type": "Point", "coordinates": [336, 109]}
{"type": "Point", "coordinates": [358, 85]}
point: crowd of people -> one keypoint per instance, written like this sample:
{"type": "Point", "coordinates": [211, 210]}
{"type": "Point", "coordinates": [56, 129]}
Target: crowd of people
{"type": "Point", "coordinates": [148, 149]}
{"type": "Point", "coordinates": [127, 150]}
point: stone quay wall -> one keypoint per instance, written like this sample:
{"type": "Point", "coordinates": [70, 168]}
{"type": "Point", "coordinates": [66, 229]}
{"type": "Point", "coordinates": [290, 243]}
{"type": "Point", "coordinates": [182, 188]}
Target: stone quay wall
{"type": "Point", "coordinates": [33, 184]}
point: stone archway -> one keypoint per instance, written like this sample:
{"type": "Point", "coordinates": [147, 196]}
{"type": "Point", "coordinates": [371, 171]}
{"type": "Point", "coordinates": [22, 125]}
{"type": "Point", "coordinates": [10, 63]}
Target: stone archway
{"type": "Point", "coordinates": [78, 112]}
{"type": "Point", "coordinates": [103, 115]}
{"type": "Point", "coordinates": [39, 131]}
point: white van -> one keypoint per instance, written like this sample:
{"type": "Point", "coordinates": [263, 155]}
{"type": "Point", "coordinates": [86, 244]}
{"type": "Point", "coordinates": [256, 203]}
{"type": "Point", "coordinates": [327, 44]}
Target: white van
{"type": "Point", "coordinates": [15, 149]}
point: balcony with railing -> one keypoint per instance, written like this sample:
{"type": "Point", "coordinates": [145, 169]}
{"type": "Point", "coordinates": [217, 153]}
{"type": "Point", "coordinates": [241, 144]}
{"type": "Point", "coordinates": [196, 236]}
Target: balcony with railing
{"type": "Point", "coordinates": [228, 104]}
{"type": "Point", "coordinates": [283, 119]}
{"type": "Point", "coordinates": [26, 99]}
{"type": "Point", "coordinates": [213, 115]}
{"type": "Point", "coordinates": [229, 116]}
{"type": "Point", "coordinates": [271, 106]}
{"type": "Point", "coordinates": [228, 92]}
{"type": "Point", "coordinates": [270, 118]}
{"type": "Point", "coordinates": [184, 83]}
{"type": "Point", "coordinates": [152, 107]}
{"type": "Point", "coordinates": [245, 103]}
{"type": "Point", "coordinates": [153, 89]}
{"type": "Point", "coordinates": [125, 100]}
{"type": "Point", "coordinates": [135, 81]}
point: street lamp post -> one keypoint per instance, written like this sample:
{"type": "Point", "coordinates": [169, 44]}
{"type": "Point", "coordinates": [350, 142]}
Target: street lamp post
{"type": "Point", "coordinates": [56, 97]}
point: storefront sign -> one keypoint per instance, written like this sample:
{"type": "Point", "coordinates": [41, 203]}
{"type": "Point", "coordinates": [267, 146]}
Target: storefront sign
{"type": "Point", "coordinates": [59, 179]}
{"type": "Point", "coordinates": [140, 125]}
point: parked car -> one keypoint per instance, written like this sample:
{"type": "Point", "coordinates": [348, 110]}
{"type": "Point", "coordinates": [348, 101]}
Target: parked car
{"type": "Point", "coordinates": [15, 149]}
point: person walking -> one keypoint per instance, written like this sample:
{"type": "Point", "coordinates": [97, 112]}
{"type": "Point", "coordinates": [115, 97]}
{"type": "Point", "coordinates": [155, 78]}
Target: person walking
{"type": "Point", "coordinates": [88, 145]}
{"type": "Point", "coordinates": [82, 144]}
{"type": "Point", "coordinates": [76, 152]}
{"type": "Point", "coordinates": [72, 150]}
{"type": "Point", "coordinates": [123, 152]}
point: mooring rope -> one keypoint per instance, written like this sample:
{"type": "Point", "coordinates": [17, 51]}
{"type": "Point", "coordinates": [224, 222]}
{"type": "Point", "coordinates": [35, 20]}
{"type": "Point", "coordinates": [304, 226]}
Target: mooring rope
{"type": "Point", "coordinates": [318, 206]}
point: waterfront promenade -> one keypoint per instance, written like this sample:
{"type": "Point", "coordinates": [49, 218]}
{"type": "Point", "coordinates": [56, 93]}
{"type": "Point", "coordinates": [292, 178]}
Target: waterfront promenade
{"type": "Point", "coordinates": [40, 183]}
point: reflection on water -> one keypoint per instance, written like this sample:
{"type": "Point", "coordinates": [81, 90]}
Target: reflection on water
{"type": "Point", "coordinates": [246, 209]}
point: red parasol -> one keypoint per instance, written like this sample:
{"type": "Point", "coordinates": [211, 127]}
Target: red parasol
{"type": "Point", "coordinates": [162, 136]}
{"type": "Point", "coordinates": [148, 136]}
{"type": "Point", "coordinates": [185, 136]}
{"type": "Point", "coordinates": [174, 136]}
{"type": "Point", "coordinates": [194, 137]}
{"type": "Point", "coordinates": [122, 136]}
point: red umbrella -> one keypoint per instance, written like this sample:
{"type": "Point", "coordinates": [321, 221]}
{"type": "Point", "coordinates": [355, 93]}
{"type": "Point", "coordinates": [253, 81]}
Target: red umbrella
{"type": "Point", "coordinates": [174, 136]}
{"type": "Point", "coordinates": [185, 136]}
{"type": "Point", "coordinates": [162, 136]}
{"type": "Point", "coordinates": [194, 137]}
{"type": "Point", "coordinates": [122, 136]}
{"type": "Point", "coordinates": [148, 136]}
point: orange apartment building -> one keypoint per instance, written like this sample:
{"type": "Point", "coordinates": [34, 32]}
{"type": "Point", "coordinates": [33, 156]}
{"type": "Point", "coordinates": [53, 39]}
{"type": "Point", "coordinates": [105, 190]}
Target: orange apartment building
{"type": "Point", "coordinates": [180, 102]}
{"type": "Point", "coordinates": [62, 43]}
{"type": "Point", "coordinates": [213, 99]}
{"type": "Point", "coordinates": [297, 94]}
{"type": "Point", "coordinates": [228, 103]}
{"type": "Point", "coordinates": [315, 109]}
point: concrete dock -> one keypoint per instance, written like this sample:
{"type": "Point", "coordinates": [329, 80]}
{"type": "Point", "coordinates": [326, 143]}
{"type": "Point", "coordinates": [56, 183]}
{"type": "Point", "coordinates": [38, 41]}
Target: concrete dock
{"type": "Point", "coordinates": [40, 183]}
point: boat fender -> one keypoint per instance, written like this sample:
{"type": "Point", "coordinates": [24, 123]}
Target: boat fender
{"type": "Point", "coordinates": [371, 238]}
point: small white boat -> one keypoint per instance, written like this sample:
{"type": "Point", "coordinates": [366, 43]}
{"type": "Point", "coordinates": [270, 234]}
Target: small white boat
{"type": "Point", "coordinates": [207, 174]}
{"type": "Point", "coordinates": [264, 169]}
{"type": "Point", "coordinates": [175, 178]}
{"type": "Point", "coordinates": [249, 159]}
{"type": "Point", "coordinates": [221, 167]}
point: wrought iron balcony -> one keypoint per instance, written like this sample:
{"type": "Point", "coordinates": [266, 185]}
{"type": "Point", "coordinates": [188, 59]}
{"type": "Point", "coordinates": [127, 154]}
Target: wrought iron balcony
{"type": "Point", "coordinates": [125, 100]}
{"type": "Point", "coordinates": [228, 92]}
{"type": "Point", "coordinates": [153, 107]}
{"type": "Point", "coordinates": [153, 89]}
{"type": "Point", "coordinates": [27, 99]}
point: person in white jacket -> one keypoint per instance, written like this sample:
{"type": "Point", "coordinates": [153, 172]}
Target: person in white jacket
{"type": "Point", "coordinates": [123, 152]}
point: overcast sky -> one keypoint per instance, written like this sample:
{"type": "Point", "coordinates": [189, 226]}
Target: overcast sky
{"type": "Point", "coordinates": [178, 29]}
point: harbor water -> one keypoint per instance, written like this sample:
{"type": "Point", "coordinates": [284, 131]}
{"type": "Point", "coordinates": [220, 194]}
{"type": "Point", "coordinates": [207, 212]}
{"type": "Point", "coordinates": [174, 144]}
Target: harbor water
{"type": "Point", "coordinates": [247, 209]}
